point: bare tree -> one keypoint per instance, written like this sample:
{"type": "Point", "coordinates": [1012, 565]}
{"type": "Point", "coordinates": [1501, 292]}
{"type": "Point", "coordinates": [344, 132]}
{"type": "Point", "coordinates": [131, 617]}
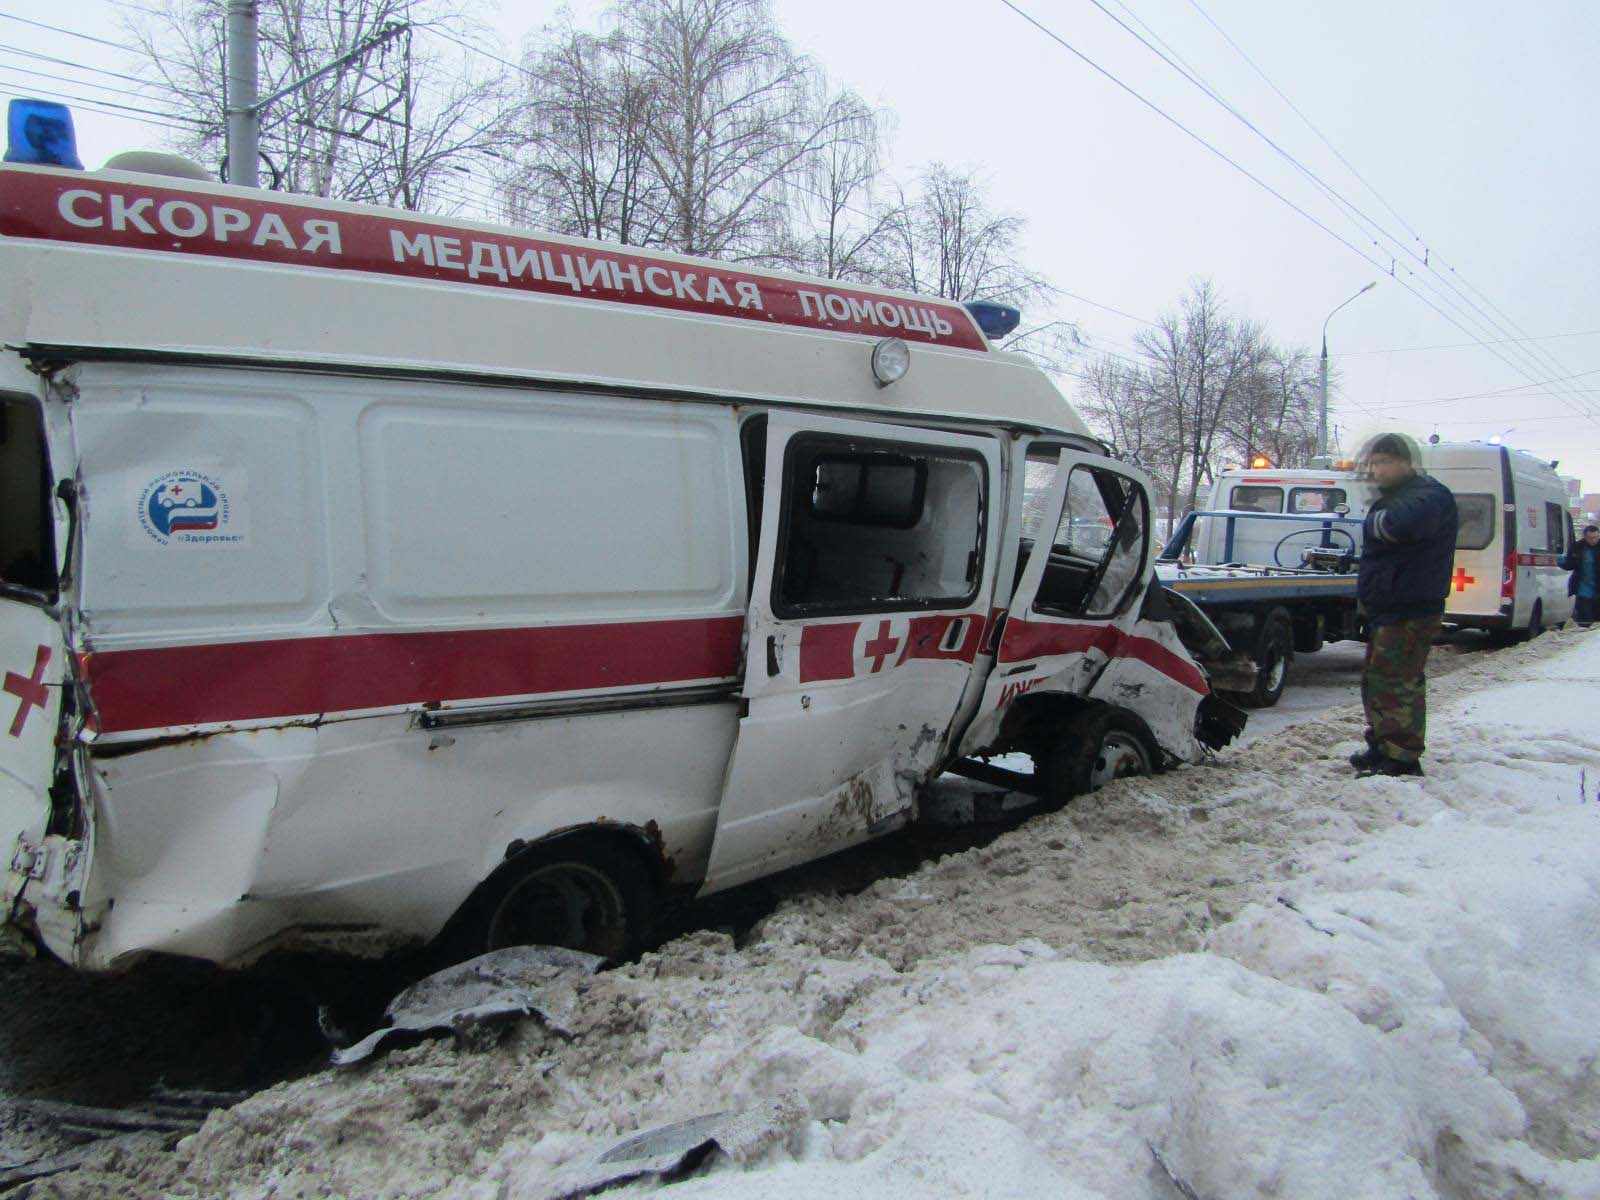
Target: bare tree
{"type": "Point", "coordinates": [690, 124]}
{"type": "Point", "coordinates": [1119, 398]}
{"type": "Point", "coordinates": [1206, 384]}
{"type": "Point", "coordinates": [839, 226]}
{"type": "Point", "coordinates": [1276, 413]}
{"type": "Point", "coordinates": [581, 166]}
{"type": "Point", "coordinates": [948, 240]}
{"type": "Point", "coordinates": [396, 127]}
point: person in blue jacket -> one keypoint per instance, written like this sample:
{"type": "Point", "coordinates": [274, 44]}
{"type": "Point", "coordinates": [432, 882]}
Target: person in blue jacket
{"type": "Point", "coordinates": [1583, 560]}
{"type": "Point", "coordinates": [1407, 552]}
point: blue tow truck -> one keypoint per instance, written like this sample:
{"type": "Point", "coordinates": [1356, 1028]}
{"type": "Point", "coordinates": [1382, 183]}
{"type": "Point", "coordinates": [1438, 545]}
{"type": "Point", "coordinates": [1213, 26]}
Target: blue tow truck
{"type": "Point", "coordinates": [1270, 611]}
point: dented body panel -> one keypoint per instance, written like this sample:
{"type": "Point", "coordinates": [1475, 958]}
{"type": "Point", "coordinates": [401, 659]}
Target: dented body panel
{"type": "Point", "coordinates": [316, 642]}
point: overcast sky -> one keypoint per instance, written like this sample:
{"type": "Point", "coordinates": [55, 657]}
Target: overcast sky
{"type": "Point", "coordinates": [1472, 120]}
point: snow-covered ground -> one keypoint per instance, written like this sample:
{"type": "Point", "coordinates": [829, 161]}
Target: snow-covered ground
{"type": "Point", "coordinates": [1255, 978]}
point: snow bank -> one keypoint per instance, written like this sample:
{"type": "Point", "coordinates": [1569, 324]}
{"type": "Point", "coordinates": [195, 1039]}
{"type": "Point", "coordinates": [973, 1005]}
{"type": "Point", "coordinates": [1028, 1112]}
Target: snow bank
{"type": "Point", "coordinates": [1260, 978]}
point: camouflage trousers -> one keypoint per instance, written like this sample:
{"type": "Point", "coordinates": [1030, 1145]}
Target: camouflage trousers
{"type": "Point", "coordinates": [1394, 686]}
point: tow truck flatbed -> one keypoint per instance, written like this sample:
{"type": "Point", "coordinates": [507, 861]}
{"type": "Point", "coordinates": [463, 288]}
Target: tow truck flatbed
{"type": "Point", "coordinates": [1210, 586]}
{"type": "Point", "coordinates": [1272, 612]}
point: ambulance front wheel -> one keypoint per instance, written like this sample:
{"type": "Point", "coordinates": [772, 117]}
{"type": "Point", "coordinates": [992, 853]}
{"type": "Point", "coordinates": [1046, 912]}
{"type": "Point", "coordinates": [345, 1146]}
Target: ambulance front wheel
{"type": "Point", "coordinates": [579, 894]}
{"type": "Point", "coordinates": [1099, 747]}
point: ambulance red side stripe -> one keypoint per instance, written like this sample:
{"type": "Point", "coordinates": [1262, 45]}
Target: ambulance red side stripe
{"type": "Point", "coordinates": [1027, 640]}
{"type": "Point", "coordinates": [253, 681]}
{"type": "Point", "coordinates": [828, 651]}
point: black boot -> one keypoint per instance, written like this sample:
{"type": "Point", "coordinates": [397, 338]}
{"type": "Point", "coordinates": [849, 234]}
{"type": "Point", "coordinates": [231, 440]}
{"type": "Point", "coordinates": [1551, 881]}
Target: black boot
{"type": "Point", "coordinates": [1370, 757]}
{"type": "Point", "coordinates": [1390, 766]}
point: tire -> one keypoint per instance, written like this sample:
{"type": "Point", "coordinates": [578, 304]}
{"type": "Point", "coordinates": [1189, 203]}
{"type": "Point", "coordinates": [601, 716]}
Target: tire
{"type": "Point", "coordinates": [578, 893]}
{"type": "Point", "coordinates": [1535, 622]}
{"type": "Point", "coordinates": [1308, 637]}
{"type": "Point", "coordinates": [1095, 749]}
{"type": "Point", "coordinates": [1274, 652]}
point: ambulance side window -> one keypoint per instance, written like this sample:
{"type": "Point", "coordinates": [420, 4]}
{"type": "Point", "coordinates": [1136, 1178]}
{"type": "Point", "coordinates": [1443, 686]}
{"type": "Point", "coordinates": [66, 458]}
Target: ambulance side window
{"type": "Point", "coordinates": [873, 527]}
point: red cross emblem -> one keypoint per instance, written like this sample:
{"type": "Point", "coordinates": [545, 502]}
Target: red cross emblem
{"type": "Point", "coordinates": [1461, 579]}
{"type": "Point", "coordinates": [881, 647]}
{"type": "Point", "coordinates": [177, 489]}
{"type": "Point", "coordinates": [30, 691]}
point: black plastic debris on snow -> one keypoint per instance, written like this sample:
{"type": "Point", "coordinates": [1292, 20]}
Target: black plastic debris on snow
{"type": "Point", "coordinates": [476, 998]}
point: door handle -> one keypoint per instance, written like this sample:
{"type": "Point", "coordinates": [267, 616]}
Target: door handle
{"type": "Point", "coordinates": [772, 655]}
{"type": "Point", "coordinates": [955, 635]}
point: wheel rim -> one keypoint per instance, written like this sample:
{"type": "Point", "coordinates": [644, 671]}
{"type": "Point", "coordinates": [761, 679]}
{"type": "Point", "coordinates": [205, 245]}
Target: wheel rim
{"type": "Point", "coordinates": [572, 905]}
{"type": "Point", "coordinates": [1121, 755]}
{"type": "Point", "coordinates": [1275, 669]}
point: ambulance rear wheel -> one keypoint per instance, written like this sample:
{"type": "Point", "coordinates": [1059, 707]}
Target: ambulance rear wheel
{"type": "Point", "coordinates": [1097, 749]}
{"type": "Point", "coordinates": [1535, 622]}
{"type": "Point", "coordinates": [581, 895]}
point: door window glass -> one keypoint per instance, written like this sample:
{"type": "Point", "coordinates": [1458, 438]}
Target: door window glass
{"type": "Point", "coordinates": [872, 527]}
{"type": "Point", "coordinates": [1555, 522]}
{"type": "Point", "coordinates": [1315, 500]}
{"type": "Point", "coordinates": [1257, 499]}
{"type": "Point", "coordinates": [1099, 547]}
{"type": "Point", "coordinates": [1475, 520]}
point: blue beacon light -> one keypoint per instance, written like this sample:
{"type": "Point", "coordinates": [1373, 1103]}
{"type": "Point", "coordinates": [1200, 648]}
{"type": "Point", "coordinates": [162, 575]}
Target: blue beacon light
{"type": "Point", "coordinates": [40, 132]}
{"type": "Point", "coordinates": [996, 320]}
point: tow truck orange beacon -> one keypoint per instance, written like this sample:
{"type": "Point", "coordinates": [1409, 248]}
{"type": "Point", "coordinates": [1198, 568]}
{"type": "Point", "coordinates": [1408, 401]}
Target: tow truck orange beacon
{"type": "Point", "coordinates": [374, 580]}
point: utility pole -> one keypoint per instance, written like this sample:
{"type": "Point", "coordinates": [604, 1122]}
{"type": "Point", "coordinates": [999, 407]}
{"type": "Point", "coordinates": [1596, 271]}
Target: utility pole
{"type": "Point", "coordinates": [244, 106]}
{"type": "Point", "coordinates": [1322, 377]}
{"type": "Point", "coordinates": [244, 117]}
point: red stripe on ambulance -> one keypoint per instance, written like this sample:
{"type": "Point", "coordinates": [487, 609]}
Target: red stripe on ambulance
{"type": "Point", "coordinates": [1027, 640]}
{"type": "Point", "coordinates": [256, 681]}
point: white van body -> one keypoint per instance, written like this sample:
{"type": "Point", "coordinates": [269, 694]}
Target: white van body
{"type": "Point", "coordinates": [1514, 530]}
{"type": "Point", "coordinates": [502, 547]}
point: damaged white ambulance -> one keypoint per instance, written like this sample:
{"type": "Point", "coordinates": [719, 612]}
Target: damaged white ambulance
{"type": "Point", "coordinates": [370, 580]}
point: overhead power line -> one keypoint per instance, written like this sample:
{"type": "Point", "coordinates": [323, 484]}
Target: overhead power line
{"type": "Point", "coordinates": [1543, 337]}
{"type": "Point", "coordinates": [1444, 290]}
{"type": "Point", "coordinates": [88, 37]}
{"type": "Point", "coordinates": [107, 107]}
{"type": "Point", "coordinates": [1256, 179]}
{"type": "Point", "coordinates": [1431, 261]}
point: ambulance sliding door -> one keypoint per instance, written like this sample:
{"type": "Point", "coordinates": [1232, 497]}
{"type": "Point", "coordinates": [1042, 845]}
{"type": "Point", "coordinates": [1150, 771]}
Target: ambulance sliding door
{"type": "Point", "coordinates": [868, 604]}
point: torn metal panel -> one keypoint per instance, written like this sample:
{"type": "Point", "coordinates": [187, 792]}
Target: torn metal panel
{"type": "Point", "coordinates": [672, 1152]}
{"type": "Point", "coordinates": [494, 988]}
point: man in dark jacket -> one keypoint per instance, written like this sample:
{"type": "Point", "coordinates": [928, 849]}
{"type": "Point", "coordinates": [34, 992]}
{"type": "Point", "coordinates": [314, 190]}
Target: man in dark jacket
{"type": "Point", "coordinates": [1583, 560]}
{"type": "Point", "coordinates": [1407, 552]}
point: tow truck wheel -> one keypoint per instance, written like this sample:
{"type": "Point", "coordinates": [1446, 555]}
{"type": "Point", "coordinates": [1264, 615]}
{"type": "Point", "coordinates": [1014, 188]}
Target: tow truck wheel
{"type": "Point", "coordinates": [580, 895]}
{"type": "Point", "coordinates": [1097, 749]}
{"type": "Point", "coordinates": [1273, 652]}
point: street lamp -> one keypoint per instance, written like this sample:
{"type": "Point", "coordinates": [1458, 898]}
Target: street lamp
{"type": "Point", "coordinates": [1322, 389]}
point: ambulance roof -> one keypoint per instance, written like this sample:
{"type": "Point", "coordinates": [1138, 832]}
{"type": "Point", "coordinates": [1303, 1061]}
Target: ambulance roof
{"type": "Point", "coordinates": [116, 263]}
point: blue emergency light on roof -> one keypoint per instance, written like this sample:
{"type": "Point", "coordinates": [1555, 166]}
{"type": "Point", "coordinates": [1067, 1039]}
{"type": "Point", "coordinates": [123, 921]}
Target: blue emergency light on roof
{"type": "Point", "coordinates": [40, 132]}
{"type": "Point", "coordinates": [996, 320]}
